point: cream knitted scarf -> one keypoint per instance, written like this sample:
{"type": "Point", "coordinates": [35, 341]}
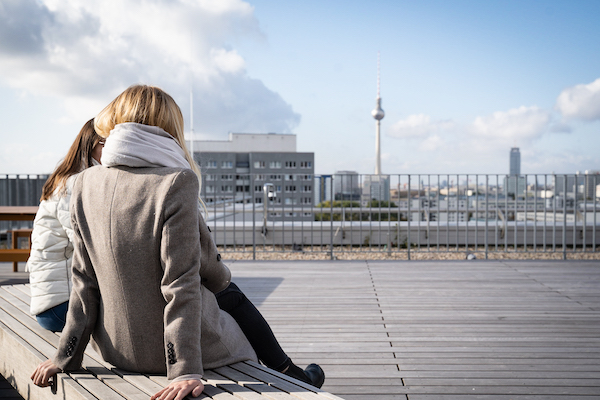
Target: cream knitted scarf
{"type": "Point", "coordinates": [137, 145]}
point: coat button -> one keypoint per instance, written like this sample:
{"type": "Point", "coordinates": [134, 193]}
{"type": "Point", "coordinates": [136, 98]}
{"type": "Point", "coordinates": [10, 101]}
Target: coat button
{"type": "Point", "coordinates": [218, 257]}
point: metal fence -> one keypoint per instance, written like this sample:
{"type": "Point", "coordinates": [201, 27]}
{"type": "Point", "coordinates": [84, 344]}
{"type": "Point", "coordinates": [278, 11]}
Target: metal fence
{"type": "Point", "coordinates": [546, 213]}
{"type": "Point", "coordinates": [396, 214]}
{"type": "Point", "coordinates": [19, 190]}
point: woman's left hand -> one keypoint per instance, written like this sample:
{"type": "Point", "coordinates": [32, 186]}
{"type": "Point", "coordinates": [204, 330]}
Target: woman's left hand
{"type": "Point", "coordinates": [178, 390]}
{"type": "Point", "coordinates": [42, 374]}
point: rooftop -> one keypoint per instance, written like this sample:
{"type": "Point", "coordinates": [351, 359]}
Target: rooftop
{"type": "Point", "coordinates": [420, 330]}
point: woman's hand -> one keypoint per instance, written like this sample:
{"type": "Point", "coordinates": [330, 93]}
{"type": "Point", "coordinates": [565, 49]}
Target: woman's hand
{"type": "Point", "coordinates": [42, 374]}
{"type": "Point", "coordinates": [178, 390]}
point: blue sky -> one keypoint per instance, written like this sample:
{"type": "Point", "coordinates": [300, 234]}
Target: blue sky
{"type": "Point", "coordinates": [461, 81]}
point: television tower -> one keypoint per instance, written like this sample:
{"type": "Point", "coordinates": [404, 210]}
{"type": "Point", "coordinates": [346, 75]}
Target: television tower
{"type": "Point", "coordinates": [378, 114]}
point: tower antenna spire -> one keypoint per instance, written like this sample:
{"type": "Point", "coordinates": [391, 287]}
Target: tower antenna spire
{"type": "Point", "coordinates": [378, 78]}
{"type": "Point", "coordinates": [378, 114]}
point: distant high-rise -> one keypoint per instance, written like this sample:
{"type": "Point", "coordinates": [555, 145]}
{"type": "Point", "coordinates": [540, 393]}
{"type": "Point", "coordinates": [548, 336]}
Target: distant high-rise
{"type": "Point", "coordinates": [515, 161]}
{"type": "Point", "coordinates": [514, 183]}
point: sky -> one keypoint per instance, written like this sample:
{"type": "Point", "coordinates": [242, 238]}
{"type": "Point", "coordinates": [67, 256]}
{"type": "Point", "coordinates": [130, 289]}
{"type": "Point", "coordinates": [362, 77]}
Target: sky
{"type": "Point", "coordinates": [462, 81]}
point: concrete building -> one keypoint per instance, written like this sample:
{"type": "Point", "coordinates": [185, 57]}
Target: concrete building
{"type": "Point", "coordinates": [514, 185]}
{"type": "Point", "coordinates": [569, 185]}
{"type": "Point", "coordinates": [237, 169]}
{"type": "Point", "coordinates": [346, 186]}
{"type": "Point", "coordinates": [375, 187]}
{"type": "Point", "coordinates": [591, 184]}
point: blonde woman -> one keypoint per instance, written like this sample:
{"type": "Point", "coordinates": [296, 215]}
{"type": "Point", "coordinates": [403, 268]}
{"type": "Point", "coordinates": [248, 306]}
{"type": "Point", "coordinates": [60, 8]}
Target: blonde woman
{"type": "Point", "coordinates": [137, 261]}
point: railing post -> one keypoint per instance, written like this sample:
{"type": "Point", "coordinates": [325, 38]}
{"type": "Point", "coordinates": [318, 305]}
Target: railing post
{"type": "Point", "coordinates": [408, 220]}
{"type": "Point", "coordinates": [268, 193]}
{"type": "Point", "coordinates": [253, 217]}
{"type": "Point", "coordinates": [331, 215]}
{"type": "Point", "coordinates": [487, 187]}
{"type": "Point", "coordinates": [564, 230]}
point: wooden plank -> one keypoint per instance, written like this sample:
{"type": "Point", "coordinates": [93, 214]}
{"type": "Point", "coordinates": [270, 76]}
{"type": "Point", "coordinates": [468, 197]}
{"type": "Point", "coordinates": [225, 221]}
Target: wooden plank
{"type": "Point", "coordinates": [35, 334]}
{"type": "Point", "coordinates": [95, 386]}
{"type": "Point", "coordinates": [17, 361]}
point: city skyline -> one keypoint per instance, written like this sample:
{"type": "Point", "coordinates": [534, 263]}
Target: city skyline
{"type": "Point", "coordinates": [463, 82]}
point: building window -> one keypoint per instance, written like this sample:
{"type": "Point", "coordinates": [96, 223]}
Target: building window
{"type": "Point", "coordinates": [259, 178]}
{"type": "Point", "coordinates": [306, 177]}
{"type": "Point", "coordinates": [275, 214]}
{"type": "Point", "coordinates": [305, 164]}
{"type": "Point", "coordinates": [278, 188]}
{"type": "Point", "coordinates": [209, 177]}
{"type": "Point", "coordinates": [211, 164]}
{"type": "Point", "coordinates": [258, 188]}
{"type": "Point", "coordinates": [290, 177]}
{"type": "Point", "coordinates": [290, 201]}
{"type": "Point", "coordinates": [260, 164]}
{"type": "Point", "coordinates": [275, 164]}
{"type": "Point", "coordinates": [306, 189]}
{"type": "Point", "coordinates": [275, 177]}
{"type": "Point", "coordinates": [242, 188]}
{"type": "Point", "coordinates": [227, 188]}
{"type": "Point", "coordinates": [227, 164]}
{"type": "Point", "coordinates": [290, 164]}
{"type": "Point", "coordinates": [306, 200]}
{"type": "Point", "coordinates": [227, 177]}
{"type": "Point", "coordinates": [210, 189]}
{"type": "Point", "coordinates": [290, 189]}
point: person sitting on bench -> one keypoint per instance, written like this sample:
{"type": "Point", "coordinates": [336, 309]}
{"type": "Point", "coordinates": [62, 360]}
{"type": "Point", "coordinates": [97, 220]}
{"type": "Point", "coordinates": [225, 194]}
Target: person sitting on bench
{"type": "Point", "coordinates": [139, 248]}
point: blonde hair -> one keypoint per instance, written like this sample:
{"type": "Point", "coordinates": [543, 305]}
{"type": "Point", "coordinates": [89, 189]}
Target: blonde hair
{"type": "Point", "coordinates": [146, 105]}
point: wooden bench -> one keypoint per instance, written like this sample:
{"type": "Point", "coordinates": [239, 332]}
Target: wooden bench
{"type": "Point", "coordinates": [24, 344]}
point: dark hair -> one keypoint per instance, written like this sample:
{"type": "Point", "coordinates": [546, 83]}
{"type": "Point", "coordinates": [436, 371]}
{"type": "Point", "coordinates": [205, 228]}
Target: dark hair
{"type": "Point", "coordinates": [78, 158]}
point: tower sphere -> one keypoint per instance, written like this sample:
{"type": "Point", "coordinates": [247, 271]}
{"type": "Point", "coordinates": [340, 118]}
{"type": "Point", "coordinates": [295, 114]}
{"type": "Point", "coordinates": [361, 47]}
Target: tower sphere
{"type": "Point", "coordinates": [378, 112]}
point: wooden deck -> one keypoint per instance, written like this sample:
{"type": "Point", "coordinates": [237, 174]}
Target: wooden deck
{"type": "Point", "coordinates": [436, 329]}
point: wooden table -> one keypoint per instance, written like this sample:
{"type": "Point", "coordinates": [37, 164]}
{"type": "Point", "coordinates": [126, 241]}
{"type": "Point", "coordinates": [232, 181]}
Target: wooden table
{"type": "Point", "coordinates": [17, 213]}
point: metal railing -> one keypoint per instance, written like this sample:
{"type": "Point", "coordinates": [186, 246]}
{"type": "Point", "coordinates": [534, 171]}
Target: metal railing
{"type": "Point", "coordinates": [398, 214]}
{"type": "Point", "coordinates": [433, 213]}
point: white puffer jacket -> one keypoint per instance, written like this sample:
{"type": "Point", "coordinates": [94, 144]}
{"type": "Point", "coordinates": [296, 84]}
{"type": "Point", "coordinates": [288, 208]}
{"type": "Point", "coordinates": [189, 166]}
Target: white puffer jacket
{"type": "Point", "coordinates": [49, 263]}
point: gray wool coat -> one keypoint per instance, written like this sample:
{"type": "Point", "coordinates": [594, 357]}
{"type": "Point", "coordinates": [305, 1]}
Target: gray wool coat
{"type": "Point", "coordinates": [137, 273]}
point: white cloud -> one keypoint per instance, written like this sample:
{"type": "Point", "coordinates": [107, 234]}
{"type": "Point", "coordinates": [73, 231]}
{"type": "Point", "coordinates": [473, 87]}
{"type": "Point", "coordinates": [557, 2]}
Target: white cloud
{"type": "Point", "coordinates": [517, 124]}
{"type": "Point", "coordinates": [417, 126]}
{"type": "Point", "coordinates": [84, 52]}
{"type": "Point", "coordinates": [580, 101]}
{"type": "Point", "coordinates": [432, 143]}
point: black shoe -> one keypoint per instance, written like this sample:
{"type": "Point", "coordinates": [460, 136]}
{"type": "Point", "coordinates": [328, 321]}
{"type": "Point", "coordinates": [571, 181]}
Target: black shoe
{"type": "Point", "coordinates": [315, 374]}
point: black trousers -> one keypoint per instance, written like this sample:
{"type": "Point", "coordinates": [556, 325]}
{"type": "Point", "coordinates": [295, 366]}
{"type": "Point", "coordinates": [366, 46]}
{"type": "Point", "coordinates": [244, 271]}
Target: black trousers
{"type": "Point", "coordinates": [233, 301]}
